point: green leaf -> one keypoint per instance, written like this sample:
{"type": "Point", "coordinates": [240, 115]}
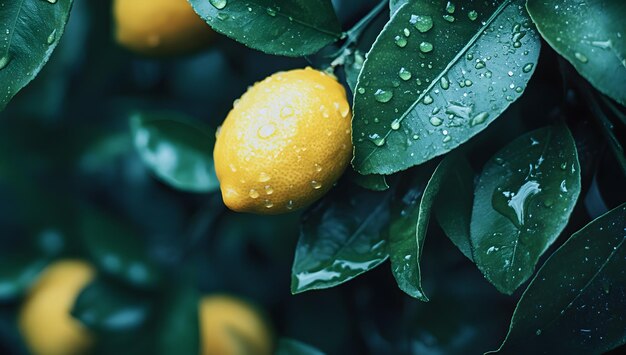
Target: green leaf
{"type": "Point", "coordinates": [523, 201]}
{"type": "Point", "coordinates": [370, 182]}
{"type": "Point", "coordinates": [178, 150]}
{"type": "Point", "coordinates": [117, 249]}
{"type": "Point", "coordinates": [179, 324]}
{"type": "Point", "coordinates": [429, 85]}
{"type": "Point", "coordinates": [590, 35]}
{"type": "Point", "coordinates": [30, 32]}
{"type": "Point", "coordinates": [576, 303]}
{"type": "Point", "coordinates": [281, 27]}
{"type": "Point", "coordinates": [18, 271]}
{"type": "Point", "coordinates": [453, 206]}
{"type": "Point", "coordinates": [409, 224]}
{"type": "Point", "coordinates": [340, 238]}
{"type": "Point", "coordinates": [394, 5]}
{"type": "Point", "coordinates": [288, 346]}
{"type": "Point", "coordinates": [106, 306]}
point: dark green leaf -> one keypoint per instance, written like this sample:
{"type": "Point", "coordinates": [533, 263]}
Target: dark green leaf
{"type": "Point", "coordinates": [429, 85]}
{"type": "Point", "coordinates": [576, 303]}
{"type": "Point", "coordinates": [590, 35]}
{"type": "Point", "coordinates": [453, 206]}
{"type": "Point", "coordinates": [179, 332]}
{"type": "Point", "coordinates": [117, 249]}
{"type": "Point", "coordinates": [178, 150]}
{"type": "Point", "coordinates": [288, 346]}
{"type": "Point", "coordinates": [340, 239]}
{"type": "Point", "coordinates": [523, 201]}
{"type": "Point", "coordinates": [30, 32]}
{"type": "Point", "coordinates": [282, 27]}
{"type": "Point", "coordinates": [370, 182]}
{"type": "Point", "coordinates": [409, 223]}
{"type": "Point", "coordinates": [18, 271]}
{"type": "Point", "coordinates": [394, 5]}
{"type": "Point", "coordinates": [110, 307]}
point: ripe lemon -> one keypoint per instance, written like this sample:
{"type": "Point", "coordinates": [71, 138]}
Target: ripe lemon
{"type": "Point", "coordinates": [285, 142]}
{"type": "Point", "coordinates": [44, 319]}
{"type": "Point", "coordinates": [159, 27]}
{"type": "Point", "coordinates": [229, 326]}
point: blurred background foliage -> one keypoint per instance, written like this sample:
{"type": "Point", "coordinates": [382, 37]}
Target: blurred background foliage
{"type": "Point", "coordinates": [72, 185]}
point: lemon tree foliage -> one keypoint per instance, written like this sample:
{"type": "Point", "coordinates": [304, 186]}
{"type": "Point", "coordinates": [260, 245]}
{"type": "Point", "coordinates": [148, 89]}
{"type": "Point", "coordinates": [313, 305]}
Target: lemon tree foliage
{"type": "Point", "coordinates": [287, 346]}
{"type": "Point", "coordinates": [341, 237]}
{"type": "Point", "coordinates": [116, 249]}
{"type": "Point", "coordinates": [453, 206]}
{"type": "Point", "coordinates": [437, 75]}
{"type": "Point", "coordinates": [110, 307]}
{"type": "Point", "coordinates": [281, 27]}
{"type": "Point", "coordinates": [576, 303]}
{"type": "Point", "coordinates": [178, 322]}
{"type": "Point", "coordinates": [18, 271]}
{"type": "Point", "coordinates": [177, 149]}
{"type": "Point", "coordinates": [29, 33]}
{"type": "Point", "coordinates": [591, 35]}
{"type": "Point", "coordinates": [523, 200]}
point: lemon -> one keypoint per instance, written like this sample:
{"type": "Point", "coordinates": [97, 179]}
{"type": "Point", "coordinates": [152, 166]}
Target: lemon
{"type": "Point", "coordinates": [44, 319]}
{"type": "Point", "coordinates": [229, 326]}
{"type": "Point", "coordinates": [285, 142]}
{"type": "Point", "coordinates": [159, 27]}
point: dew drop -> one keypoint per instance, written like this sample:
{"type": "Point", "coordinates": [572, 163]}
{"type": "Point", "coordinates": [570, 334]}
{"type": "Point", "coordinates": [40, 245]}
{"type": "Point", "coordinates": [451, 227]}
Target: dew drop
{"type": "Point", "coordinates": [218, 4]}
{"type": "Point", "coordinates": [406, 32]}
{"type": "Point", "coordinates": [479, 64]}
{"type": "Point", "coordinates": [444, 82]}
{"type": "Point", "coordinates": [52, 37]}
{"type": "Point", "coordinates": [400, 41]}
{"type": "Point", "coordinates": [269, 190]}
{"type": "Point", "coordinates": [253, 193]}
{"type": "Point", "coordinates": [472, 15]}
{"type": "Point", "coordinates": [395, 124]}
{"type": "Point", "coordinates": [581, 57]}
{"type": "Point", "coordinates": [448, 18]}
{"type": "Point", "coordinates": [426, 47]}
{"type": "Point", "coordinates": [361, 91]}
{"type": "Point", "coordinates": [446, 139]}
{"type": "Point", "coordinates": [264, 177]}
{"type": "Point", "coordinates": [383, 95]}
{"type": "Point", "coordinates": [377, 139]}
{"type": "Point", "coordinates": [421, 23]}
{"type": "Point", "coordinates": [478, 119]}
{"type": "Point", "coordinates": [404, 74]}
{"type": "Point", "coordinates": [528, 67]}
{"type": "Point", "coordinates": [450, 7]}
{"type": "Point", "coordinates": [4, 61]}
{"type": "Point", "coordinates": [271, 11]}
{"type": "Point", "coordinates": [435, 121]}
{"type": "Point", "coordinates": [268, 204]}
{"type": "Point", "coordinates": [289, 205]}
{"type": "Point", "coordinates": [266, 130]}
{"type": "Point", "coordinates": [316, 184]}
{"type": "Point", "coordinates": [428, 100]}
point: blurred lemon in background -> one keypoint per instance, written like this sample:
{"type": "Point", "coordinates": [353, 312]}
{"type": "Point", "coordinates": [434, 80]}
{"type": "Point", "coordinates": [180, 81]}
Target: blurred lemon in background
{"type": "Point", "coordinates": [229, 326]}
{"type": "Point", "coordinates": [285, 142]}
{"type": "Point", "coordinates": [44, 319]}
{"type": "Point", "coordinates": [159, 27]}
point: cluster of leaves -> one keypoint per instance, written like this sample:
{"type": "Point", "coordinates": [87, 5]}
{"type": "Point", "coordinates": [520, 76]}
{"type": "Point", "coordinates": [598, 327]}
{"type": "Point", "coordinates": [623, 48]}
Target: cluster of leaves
{"type": "Point", "coordinates": [424, 85]}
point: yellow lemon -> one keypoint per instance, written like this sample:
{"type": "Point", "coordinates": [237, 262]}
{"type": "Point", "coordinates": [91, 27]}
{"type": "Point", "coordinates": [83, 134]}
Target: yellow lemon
{"type": "Point", "coordinates": [45, 321]}
{"type": "Point", "coordinates": [229, 326]}
{"type": "Point", "coordinates": [285, 142]}
{"type": "Point", "coordinates": [159, 27]}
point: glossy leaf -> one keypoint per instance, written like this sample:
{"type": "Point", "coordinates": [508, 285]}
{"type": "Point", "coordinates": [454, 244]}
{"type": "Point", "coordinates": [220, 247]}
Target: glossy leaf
{"type": "Point", "coordinates": [288, 346]}
{"type": "Point", "coordinates": [590, 35]}
{"type": "Point", "coordinates": [576, 303]}
{"type": "Point", "coordinates": [436, 76]}
{"type": "Point", "coordinates": [178, 150]}
{"type": "Point", "coordinates": [179, 324]}
{"type": "Point", "coordinates": [523, 201]}
{"type": "Point", "coordinates": [370, 182]}
{"type": "Point", "coordinates": [394, 5]}
{"type": "Point", "coordinates": [453, 206]}
{"type": "Point", "coordinates": [282, 27]}
{"type": "Point", "coordinates": [117, 249]}
{"type": "Point", "coordinates": [30, 31]}
{"type": "Point", "coordinates": [18, 271]}
{"type": "Point", "coordinates": [340, 238]}
{"type": "Point", "coordinates": [106, 306]}
{"type": "Point", "coordinates": [409, 224]}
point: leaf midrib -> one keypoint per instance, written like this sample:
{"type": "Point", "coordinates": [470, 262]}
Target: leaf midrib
{"type": "Point", "coordinates": [12, 28]}
{"type": "Point", "coordinates": [453, 62]}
